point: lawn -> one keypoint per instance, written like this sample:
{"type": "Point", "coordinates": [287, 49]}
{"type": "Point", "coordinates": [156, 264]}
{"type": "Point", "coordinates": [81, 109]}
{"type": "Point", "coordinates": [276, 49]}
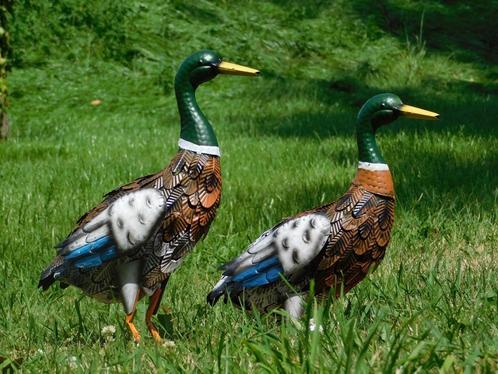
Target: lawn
{"type": "Point", "coordinates": [287, 141]}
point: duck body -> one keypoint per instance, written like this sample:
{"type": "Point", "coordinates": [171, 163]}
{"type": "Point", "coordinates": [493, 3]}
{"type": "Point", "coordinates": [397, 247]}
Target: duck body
{"type": "Point", "coordinates": [189, 192]}
{"type": "Point", "coordinates": [335, 245]}
{"type": "Point", "coordinates": [129, 244]}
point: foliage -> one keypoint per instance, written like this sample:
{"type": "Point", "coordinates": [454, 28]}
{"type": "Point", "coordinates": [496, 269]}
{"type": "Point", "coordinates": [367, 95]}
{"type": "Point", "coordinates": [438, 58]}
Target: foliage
{"type": "Point", "coordinates": [68, 29]}
{"type": "Point", "coordinates": [287, 143]}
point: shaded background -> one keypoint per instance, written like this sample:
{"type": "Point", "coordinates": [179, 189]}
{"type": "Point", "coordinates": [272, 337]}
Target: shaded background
{"type": "Point", "coordinates": [320, 61]}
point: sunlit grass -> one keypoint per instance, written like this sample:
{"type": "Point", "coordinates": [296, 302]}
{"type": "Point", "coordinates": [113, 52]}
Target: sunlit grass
{"type": "Point", "coordinates": [288, 144]}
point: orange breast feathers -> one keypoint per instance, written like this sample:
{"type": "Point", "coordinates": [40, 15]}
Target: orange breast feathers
{"type": "Point", "coordinates": [375, 181]}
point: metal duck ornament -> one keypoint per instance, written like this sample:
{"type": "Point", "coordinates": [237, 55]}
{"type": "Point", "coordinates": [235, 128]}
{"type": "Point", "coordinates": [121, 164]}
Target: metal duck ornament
{"type": "Point", "coordinates": [337, 244]}
{"type": "Point", "coordinates": [128, 245]}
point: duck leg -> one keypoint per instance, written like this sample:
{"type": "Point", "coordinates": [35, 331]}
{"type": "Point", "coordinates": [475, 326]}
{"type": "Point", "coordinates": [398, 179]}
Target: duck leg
{"type": "Point", "coordinates": [130, 293]}
{"type": "Point", "coordinates": [129, 320]}
{"type": "Point", "coordinates": [155, 301]}
{"type": "Point", "coordinates": [294, 305]}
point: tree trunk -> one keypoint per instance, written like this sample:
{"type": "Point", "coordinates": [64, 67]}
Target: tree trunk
{"type": "Point", "coordinates": [4, 129]}
{"type": "Point", "coordinates": [5, 7]}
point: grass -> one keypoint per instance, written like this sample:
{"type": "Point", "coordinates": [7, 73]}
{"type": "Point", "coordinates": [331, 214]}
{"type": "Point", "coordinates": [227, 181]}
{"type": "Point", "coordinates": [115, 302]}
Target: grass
{"type": "Point", "coordinates": [288, 145]}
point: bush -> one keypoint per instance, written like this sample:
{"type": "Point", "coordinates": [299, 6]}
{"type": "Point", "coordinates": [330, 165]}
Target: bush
{"type": "Point", "coordinates": [69, 29]}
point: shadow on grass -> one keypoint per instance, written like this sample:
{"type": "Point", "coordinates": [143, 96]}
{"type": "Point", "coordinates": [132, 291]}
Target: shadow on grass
{"type": "Point", "coordinates": [470, 106]}
{"type": "Point", "coordinates": [440, 183]}
{"type": "Point", "coordinates": [165, 324]}
{"type": "Point", "coordinates": [302, 9]}
{"type": "Point", "coordinates": [466, 29]}
{"type": "Point", "coordinates": [10, 365]}
{"type": "Point", "coordinates": [445, 173]}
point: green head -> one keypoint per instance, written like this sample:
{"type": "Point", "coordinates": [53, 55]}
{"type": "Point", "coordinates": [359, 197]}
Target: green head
{"type": "Point", "coordinates": [381, 110]}
{"type": "Point", "coordinates": [205, 65]}
{"type": "Point", "coordinates": [385, 108]}
{"type": "Point", "coordinates": [196, 69]}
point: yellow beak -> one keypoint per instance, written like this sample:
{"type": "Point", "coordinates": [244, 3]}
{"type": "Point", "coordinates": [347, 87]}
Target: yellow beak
{"type": "Point", "coordinates": [234, 69]}
{"type": "Point", "coordinates": [414, 112]}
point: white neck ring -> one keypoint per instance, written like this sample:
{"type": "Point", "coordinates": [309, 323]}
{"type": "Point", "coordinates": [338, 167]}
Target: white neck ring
{"type": "Point", "coordinates": [372, 166]}
{"type": "Point", "coordinates": [206, 149]}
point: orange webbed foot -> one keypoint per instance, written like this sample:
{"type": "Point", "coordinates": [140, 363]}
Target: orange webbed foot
{"type": "Point", "coordinates": [154, 332]}
{"type": "Point", "coordinates": [155, 300]}
{"type": "Point", "coordinates": [131, 326]}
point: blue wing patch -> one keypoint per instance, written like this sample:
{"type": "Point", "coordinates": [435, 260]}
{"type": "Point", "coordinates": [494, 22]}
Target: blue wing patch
{"type": "Point", "coordinates": [263, 273]}
{"type": "Point", "coordinates": [93, 254]}
{"type": "Point", "coordinates": [89, 248]}
{"type": "Point", "coordinates": [96, 259]}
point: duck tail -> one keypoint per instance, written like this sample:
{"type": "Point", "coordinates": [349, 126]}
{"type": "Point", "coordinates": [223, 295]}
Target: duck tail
{"type": "Point", "coordinates": [219, 290]}
{"type": "Point", "coordinates": [51, 273]}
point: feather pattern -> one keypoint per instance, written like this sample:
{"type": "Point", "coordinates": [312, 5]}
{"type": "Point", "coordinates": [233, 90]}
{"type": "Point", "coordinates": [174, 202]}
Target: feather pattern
{"type": "Point", "coordinates": [90, 256]}
{"type": "Point", "coordinates": [358, 231]}
{"type": "Point", "coordinates": [285, 250]}
{"type": "Point", "coordinates": [358, 241]}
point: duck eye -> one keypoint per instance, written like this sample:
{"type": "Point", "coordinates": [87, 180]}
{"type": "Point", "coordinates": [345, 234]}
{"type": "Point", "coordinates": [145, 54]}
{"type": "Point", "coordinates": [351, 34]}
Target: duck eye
{"type": "Point", "coordinates": [383, 105]}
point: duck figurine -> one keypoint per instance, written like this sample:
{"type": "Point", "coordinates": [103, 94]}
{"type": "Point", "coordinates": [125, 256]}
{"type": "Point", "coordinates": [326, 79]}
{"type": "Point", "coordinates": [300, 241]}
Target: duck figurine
{"type": "Point", "coordinates": [129, 244]}
{"type": "Point", "coordinates": [335, 245]}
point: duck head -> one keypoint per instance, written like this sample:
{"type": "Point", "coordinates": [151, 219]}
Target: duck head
{"type": "Point", "coordinates": [385, 108]}
{"type": "Point", "coordinates": [198, 68]}
{"type": "Point", "coordinates": [205, 65]}
{"type": "Point", "coordinates": [378, 111]}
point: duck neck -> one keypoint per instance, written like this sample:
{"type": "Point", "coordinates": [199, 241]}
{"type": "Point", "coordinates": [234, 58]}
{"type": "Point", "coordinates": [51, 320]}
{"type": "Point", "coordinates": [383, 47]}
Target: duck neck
{"type": "Point", "coordinates": [368, 150]}
{"type": "Point", "coordinates": [373, 172]}
{"type": "Point", "coordinates": [196, 133]}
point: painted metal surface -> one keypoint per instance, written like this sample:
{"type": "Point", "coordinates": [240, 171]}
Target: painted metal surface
{"type": "Point", "coordinates": [200, 67]}
{"type": "Point", "coordinates": [356, 238]}
{"type": "Point", "coordinates": [129, 244]}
